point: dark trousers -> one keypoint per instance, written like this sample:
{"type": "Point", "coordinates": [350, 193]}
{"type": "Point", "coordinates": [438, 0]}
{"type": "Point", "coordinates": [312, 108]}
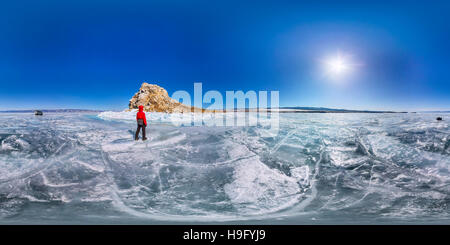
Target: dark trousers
{"type": "Point", "coordinates": [139, 127]}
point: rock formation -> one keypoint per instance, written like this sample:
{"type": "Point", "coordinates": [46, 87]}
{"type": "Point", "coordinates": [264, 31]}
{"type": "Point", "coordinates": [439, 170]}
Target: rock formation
{"type": "Point", "coordinates": [156, 99]}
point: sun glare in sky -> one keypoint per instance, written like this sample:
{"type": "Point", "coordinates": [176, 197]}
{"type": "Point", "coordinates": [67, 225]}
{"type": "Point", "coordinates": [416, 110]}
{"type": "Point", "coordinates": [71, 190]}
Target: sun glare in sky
{"type": "Point", "coordinates": [338, 66]}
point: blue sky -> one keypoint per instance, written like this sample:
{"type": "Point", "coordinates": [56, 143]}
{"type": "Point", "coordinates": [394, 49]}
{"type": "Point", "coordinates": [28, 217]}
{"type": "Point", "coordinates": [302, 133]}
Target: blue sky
{"type": "Point", "coordinates": [95, 54]}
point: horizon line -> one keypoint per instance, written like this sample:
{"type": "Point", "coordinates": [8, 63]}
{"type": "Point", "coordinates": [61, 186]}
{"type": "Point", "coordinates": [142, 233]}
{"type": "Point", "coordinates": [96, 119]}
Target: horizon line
{"type": "Point", "coordinates": [312, 108]}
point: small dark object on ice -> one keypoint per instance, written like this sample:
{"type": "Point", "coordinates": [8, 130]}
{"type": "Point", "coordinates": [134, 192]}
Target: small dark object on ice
{"type": "Point", "coordinates": [439, 118]}
{"type": "Point", "coordinates": [38, 113]}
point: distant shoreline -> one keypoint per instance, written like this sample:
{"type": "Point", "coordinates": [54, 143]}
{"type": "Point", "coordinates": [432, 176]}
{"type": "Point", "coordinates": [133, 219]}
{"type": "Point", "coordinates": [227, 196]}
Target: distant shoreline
{"type": "Point", "coordinates": [216, 111]}
{"type": "Point", "coordinates": [268, 110]}
{"type": "Point", "coordinates": [51, 111]}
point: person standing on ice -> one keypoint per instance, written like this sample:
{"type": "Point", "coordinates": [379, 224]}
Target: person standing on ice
{"type": "Point", "coordinates": [141, 123]}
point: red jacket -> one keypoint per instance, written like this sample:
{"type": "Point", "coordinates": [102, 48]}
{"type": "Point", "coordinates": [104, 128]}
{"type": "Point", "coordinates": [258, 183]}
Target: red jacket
{"type": "Point", "coordinates": [141, 115]}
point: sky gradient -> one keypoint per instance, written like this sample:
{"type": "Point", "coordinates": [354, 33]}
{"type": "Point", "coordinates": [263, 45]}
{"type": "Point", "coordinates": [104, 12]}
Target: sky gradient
{"type": "Point", "coordinates": [96, 54]}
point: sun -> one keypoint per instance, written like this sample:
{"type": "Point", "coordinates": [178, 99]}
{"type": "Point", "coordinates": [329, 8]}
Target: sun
{"type": "Point", "coordinates": [338, 66]}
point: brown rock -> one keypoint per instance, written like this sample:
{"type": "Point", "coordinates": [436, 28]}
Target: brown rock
{"type": "Point", "coordinates": [156, 99]}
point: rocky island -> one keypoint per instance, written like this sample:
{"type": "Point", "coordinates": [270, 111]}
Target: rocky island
{"type": "Point", "coordinates": [156, 99]}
